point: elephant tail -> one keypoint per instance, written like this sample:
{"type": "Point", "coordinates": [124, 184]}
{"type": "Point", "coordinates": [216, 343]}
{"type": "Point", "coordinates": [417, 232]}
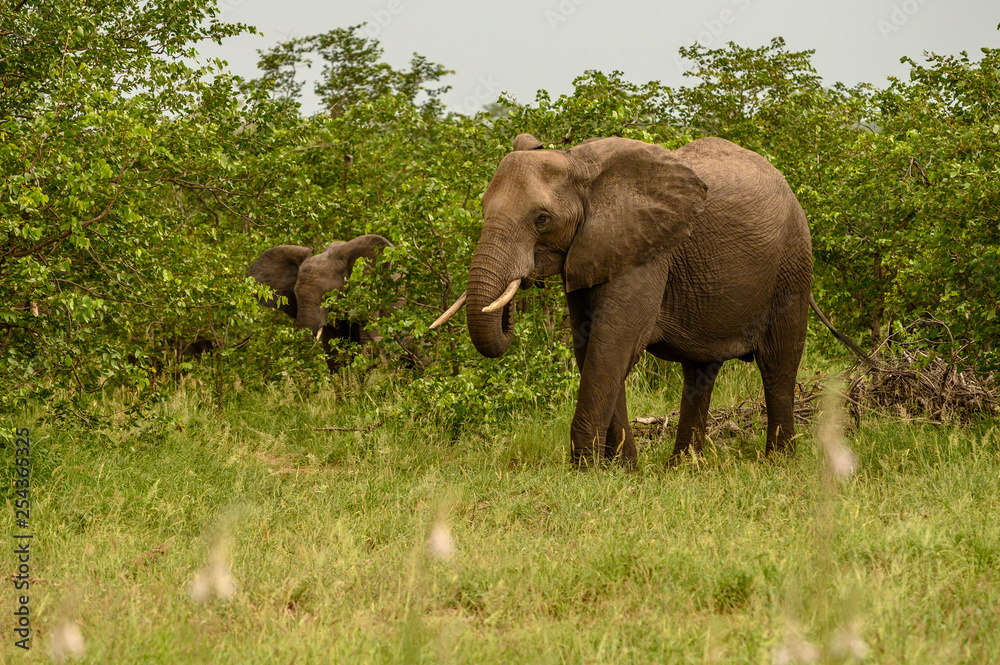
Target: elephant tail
{"type": "Point", "coordinates": [844, 339]}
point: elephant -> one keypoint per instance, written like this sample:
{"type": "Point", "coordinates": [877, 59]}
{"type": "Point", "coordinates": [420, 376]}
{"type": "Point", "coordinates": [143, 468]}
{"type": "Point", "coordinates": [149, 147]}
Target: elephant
{"type": "Point", "coordinates": [697, 255]}
{"type": "Point", "coordinates": [305, 280]}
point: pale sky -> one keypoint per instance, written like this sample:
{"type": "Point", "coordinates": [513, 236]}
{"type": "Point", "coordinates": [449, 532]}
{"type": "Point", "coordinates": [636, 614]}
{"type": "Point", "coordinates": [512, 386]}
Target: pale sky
{"type": "Point", "coordinates": [519, 46]}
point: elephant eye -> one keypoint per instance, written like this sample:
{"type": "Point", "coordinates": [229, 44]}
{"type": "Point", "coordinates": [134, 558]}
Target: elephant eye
{"type": "Point", "coordinates": [542, 220]}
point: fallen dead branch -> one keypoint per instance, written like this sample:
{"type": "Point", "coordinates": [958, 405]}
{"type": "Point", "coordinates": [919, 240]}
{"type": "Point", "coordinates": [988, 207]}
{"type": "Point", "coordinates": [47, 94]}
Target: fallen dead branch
{"type": "Point", "coordinates": [150, 556]}
{"type": "Point", "coordinates": [366, 428]}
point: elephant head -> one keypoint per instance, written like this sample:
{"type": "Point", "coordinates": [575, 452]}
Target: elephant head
{"type": "Point", "coordinates": [591, 213]}
{"type": "Point", "coordinates": [305, 280]}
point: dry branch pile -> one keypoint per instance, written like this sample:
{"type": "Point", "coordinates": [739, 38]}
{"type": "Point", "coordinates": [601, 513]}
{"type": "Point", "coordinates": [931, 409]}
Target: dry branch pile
{"type": "Point", "coordinates": [912, 386]}
{"type": "Point", "coordinates": [915, 386]}
{"type": "Point", "coordinates": [738, 420]}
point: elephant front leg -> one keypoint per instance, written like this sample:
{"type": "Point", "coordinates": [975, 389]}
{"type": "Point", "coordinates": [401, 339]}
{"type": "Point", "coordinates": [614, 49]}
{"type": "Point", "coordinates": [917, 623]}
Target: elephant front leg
{"type": "Point", "coordinates": [607, 346]}
{"type": "Point", "coordinates": [597, 428]}
{"type": "Point", "coordinates": [581, 325]}
{"type": "Point", "coordinates": [619, 444]}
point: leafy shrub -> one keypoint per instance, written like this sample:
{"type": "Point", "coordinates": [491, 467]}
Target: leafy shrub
{"type": "Point", "coordinates": [137, 188]}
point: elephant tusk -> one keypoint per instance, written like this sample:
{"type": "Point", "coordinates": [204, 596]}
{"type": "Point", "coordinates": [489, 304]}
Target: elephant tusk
{"type": "Point", "coordinates": [504, 298]}
{"type": "Point", "coordinates": [451, 311]}
{"type": "Point", "coordinates": [319, 332]}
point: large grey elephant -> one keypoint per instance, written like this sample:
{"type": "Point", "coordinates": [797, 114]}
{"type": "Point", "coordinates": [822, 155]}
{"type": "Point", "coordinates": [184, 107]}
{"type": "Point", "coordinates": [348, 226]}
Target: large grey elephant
{"type": "Point", "coordinates": [697, 255]}
{"type": "Point", "coordinates": [305, 280]}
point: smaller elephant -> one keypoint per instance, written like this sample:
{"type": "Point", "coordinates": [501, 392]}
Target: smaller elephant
{"type": "Point", "coordinates": [305, 280]}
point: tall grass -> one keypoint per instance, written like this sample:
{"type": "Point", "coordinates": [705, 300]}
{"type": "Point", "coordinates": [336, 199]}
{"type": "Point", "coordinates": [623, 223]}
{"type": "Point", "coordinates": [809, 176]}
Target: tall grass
{"type": "Point", "coordinates": [406, 544]}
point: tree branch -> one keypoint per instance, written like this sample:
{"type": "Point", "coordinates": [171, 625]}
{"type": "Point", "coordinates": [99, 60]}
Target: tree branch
{"type": "Point", "coordinates": [366, 428]}
{"type": "Point", "coordinates": [67, 233]}
{"type": "Point", "coordinates": [103, 297]}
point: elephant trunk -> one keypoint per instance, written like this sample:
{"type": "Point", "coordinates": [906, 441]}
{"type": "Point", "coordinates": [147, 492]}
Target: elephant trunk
{"type": "Point", "coordinates": [310, 316]}
{"type": "Point", "coordinates": [489, 275]}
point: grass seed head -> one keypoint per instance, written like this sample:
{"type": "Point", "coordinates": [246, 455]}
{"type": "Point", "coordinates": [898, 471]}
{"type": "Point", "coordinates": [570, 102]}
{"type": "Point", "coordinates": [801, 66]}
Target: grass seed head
{"type": "Point", "coordinates": [215, 578]}
{"type": "Point", "coordinates": [796, 650]}
{"type": "Point", "coordinates": [66, 641]}
{"type": "Point", "coordinates": [440, 543]}
{"type": "Point", "coordinates": [841, 461]}
{"type": "Point", "coordinates": [847, 644]}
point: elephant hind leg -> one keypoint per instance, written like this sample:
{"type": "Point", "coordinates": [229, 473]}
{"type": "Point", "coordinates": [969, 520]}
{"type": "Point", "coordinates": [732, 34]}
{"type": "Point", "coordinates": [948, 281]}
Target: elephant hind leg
{"type": "Point", "coordinates": [699, 380]}
{"type": "Point", "coordinates": [779, 400]}
{"type": "Point", "coordinates": [778, 361]}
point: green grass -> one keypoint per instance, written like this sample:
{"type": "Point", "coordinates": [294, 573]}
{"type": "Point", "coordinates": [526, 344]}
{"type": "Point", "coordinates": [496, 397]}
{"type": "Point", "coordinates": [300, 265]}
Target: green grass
{"type": "Point", "coordinates": [728, 559]}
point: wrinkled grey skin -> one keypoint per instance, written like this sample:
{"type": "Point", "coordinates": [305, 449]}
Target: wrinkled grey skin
{"type": "Point", "coordinates": [306, 280]}
{"type": "Point", "coordinates": [697, 255]}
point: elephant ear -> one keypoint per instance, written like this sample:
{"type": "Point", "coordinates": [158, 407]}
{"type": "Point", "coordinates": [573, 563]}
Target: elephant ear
{"type": "Point", "coordinates": [278, 267]}
{"type": "Point", "coordinates": [367, 246]}
{"type": "Point", "coordinates": [526, 142]}
{"type": "Point", "coordinates": [641, 203]}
